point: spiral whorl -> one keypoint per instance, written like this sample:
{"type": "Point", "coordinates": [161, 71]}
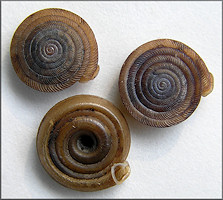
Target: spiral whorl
{"type": "Point", "coordinates": [52, 49]}
{"type": "Point", "coordinates": [162, 81]}
{"type": "Point", "coordinates": [80, 141]}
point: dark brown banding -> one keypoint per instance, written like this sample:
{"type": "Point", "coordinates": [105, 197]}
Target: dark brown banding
{"type": "Point", "coordinates": [54, 48]}
{"type": "Point", "coordinates": [81, 139]}
{"type": "Point", "coordinates": [162, 81]}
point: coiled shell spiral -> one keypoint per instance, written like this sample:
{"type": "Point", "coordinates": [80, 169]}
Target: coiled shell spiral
{"type": "Point", "coordinates": [162, 81]}
{"type": "Point", "coordinates": [54, 48]}
{"type": "Point", "coordinates": [83, 142]}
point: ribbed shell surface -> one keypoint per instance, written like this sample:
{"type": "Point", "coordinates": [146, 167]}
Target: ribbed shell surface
{"type": "Point", "coordinates": [162, 81]}
{"type": "Point", "coordinates": [52, 49]}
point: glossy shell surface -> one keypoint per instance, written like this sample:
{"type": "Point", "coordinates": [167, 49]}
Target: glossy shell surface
{"type": "Point", "coordinates": [83, 142]}
{"type": "Point", "coordinates": [54, 48]}
{"type": "Point", "coordinates": [162, 81]}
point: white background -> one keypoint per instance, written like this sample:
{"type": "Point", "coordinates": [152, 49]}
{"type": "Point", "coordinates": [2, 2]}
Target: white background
{"type": "Point", "coordinates": [180, 161]}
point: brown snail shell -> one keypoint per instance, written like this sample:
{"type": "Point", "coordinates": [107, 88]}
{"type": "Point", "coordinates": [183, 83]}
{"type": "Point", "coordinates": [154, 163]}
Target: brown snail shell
{"type": "Point", "coordinates": [83, 142]}
{"type": "Point", "coordinates": [161, 82]}
{"type": "Point", "coordinates": [54, 48]}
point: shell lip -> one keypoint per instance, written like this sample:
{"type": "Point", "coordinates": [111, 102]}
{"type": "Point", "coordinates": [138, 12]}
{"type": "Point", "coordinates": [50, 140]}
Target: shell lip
{"type": "Point", "coordinates": [200, 68]}
{"type": "Point", "coordinates": [44, 84]}
{"type": "Point", "coordinates": [69, 106]}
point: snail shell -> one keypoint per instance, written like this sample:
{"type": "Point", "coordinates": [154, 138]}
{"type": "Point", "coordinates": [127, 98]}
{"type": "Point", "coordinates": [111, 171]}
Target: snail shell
{"type": "Point", "coordinates": [162, 81]}
{"type": "Point", "coordinates": [54, 48]}
{"type": "Point", "coordinates": [83, 142]}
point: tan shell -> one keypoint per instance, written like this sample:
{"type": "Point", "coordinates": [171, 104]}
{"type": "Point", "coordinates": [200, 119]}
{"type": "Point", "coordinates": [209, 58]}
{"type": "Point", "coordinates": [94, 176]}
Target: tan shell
{"type": "Point", "coordinates": [54, 48]}
{"type": "Point", "coordinates": [83, 142]}
{"type": "Point", "coordinates": [161, 82]}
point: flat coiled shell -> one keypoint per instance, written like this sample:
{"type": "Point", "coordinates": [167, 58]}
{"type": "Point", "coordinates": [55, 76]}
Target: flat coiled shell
{"type": "Point", "coordinates": [162, 81]}
{"type": "Point", "coordinates": [83, 142]}
{"type": "Point", "coordinates": [54, 48]}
